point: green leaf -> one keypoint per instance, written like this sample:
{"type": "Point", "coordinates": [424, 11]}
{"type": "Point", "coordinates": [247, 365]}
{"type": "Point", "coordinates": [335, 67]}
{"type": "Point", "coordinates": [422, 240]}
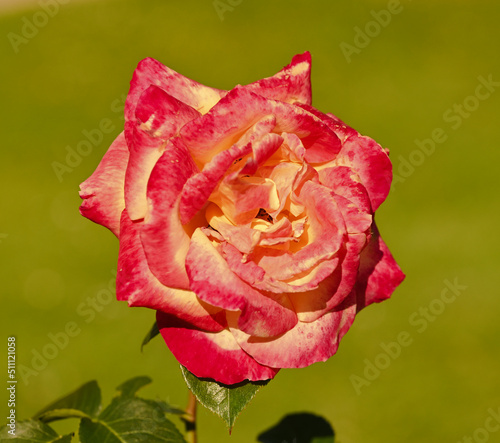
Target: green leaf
{"type": "Point", "coordinates": [130, 420]}
{"type": "Point", "coordinates": [227, 401]}
{"type": "Point", "coordinates": [153, 332]}
{"type": "Point", "coordinates": [168, 409]}
{"type": "Point", "coordinates": [127, 419]}
{"type": "Point", "coordinates": [83, 402]}
{"type": "Point", "coordinates": [130, 387]}
{"type": "Point", "coordinates": [33, 431]}
{"type": "Point", "coordinates": [299, 428]}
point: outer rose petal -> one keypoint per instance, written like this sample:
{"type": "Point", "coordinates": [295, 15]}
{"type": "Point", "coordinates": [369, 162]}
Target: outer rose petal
{"type": "Point", "coordinates": [102, 192]}
{"type": "Point", "coordinates": [151, 72]}
{"type": "Point", "coordinates": [158, 117]}
{"type": "Point", "coordinates": [372, 164]}
{"type": "Point", "coordinates": [356, 220]}
{"type": "Point", "coordinates": [305, 344]}
{"type": "Point", "coordinates": [213, 281]}
{"type": "Point", "coordinates": [292, 84]}
{"type": "Point", "coordinates": [340, 180]}
{"type": "Point", "coordinates": [210, 355]}
{"type": "Point", "coordinates": [163, 237]}
{"type": "Point", "coordinates": [136, 283]}
{"type": "Point", "coordinates": [334, 123]}
{"type": "Point", "coordinates": [379, 274]}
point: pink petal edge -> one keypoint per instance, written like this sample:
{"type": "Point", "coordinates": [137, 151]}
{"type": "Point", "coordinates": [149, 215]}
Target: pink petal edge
{"type": "Point", "coordinates": [136, 284]}
{"type": "Point", "coordinates": [102, 193]}
{"type": "Point", "coordinates": [210, 355]}
{"type": "Point", "coordinates": [379, 274]}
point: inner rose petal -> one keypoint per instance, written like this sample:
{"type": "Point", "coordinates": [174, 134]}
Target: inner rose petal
{"type": "Point", "coordinates": [259, 233]}
{"type": "Point", "coordinates": [200, 186]}
{"type": "Point", "coordinates": [240, 109]}
{"type": "Point", "coordinates": [325, 233]}
{"type": "Point", "coordinates": [263, 280]}
{"type": "Point", "coordinates": [283, 176]}
{"type": "Point", "coordinates": [293, 148]}
{"type": "Point", "coordinates": [242, 237]}
{"type": "Point", "coordinates": [241, 198]}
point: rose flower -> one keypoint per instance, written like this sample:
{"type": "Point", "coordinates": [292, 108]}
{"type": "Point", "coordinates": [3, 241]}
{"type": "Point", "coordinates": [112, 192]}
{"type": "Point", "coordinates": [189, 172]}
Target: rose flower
{"type": "Point", "coordinates": [245, 219]}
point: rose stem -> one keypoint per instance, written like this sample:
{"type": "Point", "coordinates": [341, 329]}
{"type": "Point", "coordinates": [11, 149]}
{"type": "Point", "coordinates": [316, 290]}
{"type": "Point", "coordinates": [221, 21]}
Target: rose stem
{"type": "Point", "coordinates": [189, 418]}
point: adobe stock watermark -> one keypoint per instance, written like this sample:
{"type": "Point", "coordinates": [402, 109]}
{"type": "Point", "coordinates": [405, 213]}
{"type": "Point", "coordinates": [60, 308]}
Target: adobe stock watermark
{"type": "Point", "coordinates": [223, 6]}
{"type": "Point", "coordinates": [371, 29]}
{"type": "Point", "coordinates": [11, 385]}
{"type": "Point", "coordinates": [58, 341]}
{"type": "Point", "coordinates": [91, 139]}
{"type": "Point", "coordinates": [454, 116]}
{"type": "Point", "coordinates": [420, 320]}
{"type": "Point", "coordinates": [482, 434]}
{"type": "Point", "coordinates": [30, 26]}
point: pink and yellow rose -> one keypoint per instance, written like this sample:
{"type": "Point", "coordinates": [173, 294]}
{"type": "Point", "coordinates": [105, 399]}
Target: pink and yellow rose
{"type": "Point", "coordinates": [245, 219]}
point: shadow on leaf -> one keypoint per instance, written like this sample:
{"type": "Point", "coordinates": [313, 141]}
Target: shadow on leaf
{"type": "Point", "coordinates": [299, 428]}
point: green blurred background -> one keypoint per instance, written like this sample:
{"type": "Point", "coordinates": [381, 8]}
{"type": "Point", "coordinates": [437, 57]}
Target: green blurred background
{"type": "Point", "coordinates": [440, 220]}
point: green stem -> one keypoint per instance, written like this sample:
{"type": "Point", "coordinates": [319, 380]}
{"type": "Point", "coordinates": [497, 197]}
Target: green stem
{"type": "Point", "coordinates": [189, 419]}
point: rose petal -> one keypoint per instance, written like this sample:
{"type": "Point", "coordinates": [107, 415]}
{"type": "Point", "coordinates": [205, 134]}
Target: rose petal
{"type": "Point", "coordinates": [213, 281]}
{"type": "Point", "coordinates": [222, 126]}
{"type": "Point", "coordinates": [158, 117]}
{"type": "Point", "coordinates": [261, 150]}
{"type": "Point", "coordinates": [245, 238]}
{"type": "Point", "coordinates": [210, 355]}
{"type": "Point", "coordinates": [350, 195]}
{"type": "Point", "coordinates": [284, 175]}
{"type": "Point", "coordinates": [342, 130]}
{"type": "Point", "coordinates": [356, 221]}
{"type": "Point", "coordinates": [151, 72]}
{"type": "Point", "coordinates": [325, 235]}
{"type": "Point", "coordinates": [242, 237]}
{"type": "Point", "coordinates": [165, 241]}
{"type": "Point", "coordinates": [294, 204]}
{"type": "Point", "coordinates": [161, 115]}
{"type": "Point", "coordinates": [199, 187]}
{"type": "Point", "coordinates": [379, 274]}
{"type": "Point", "coordinates": [262, 279]}
{"type": "Point", "coordinates": [136, 284]}
{"type": "Point", "coordinates": [372, 164]}
{"type": "Point", "coordinates": [241, 198]}
{"type": "Point", "coordinates": [334, 289]}
{"type": "Point", "coordinates": [345, 182]}
{"type": "Point", "coordinates": [219, 129]}
{"type": "Point", "coordinates": [284, 271]}
{"type": "Point", "coordinates": [102, 193]}
{"type": "Point", "coordinates": [296, 151]}
{"type": "Point", "coordinates": [305, 344]}
{"type": "Point", "coordinates": [292, 84]}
